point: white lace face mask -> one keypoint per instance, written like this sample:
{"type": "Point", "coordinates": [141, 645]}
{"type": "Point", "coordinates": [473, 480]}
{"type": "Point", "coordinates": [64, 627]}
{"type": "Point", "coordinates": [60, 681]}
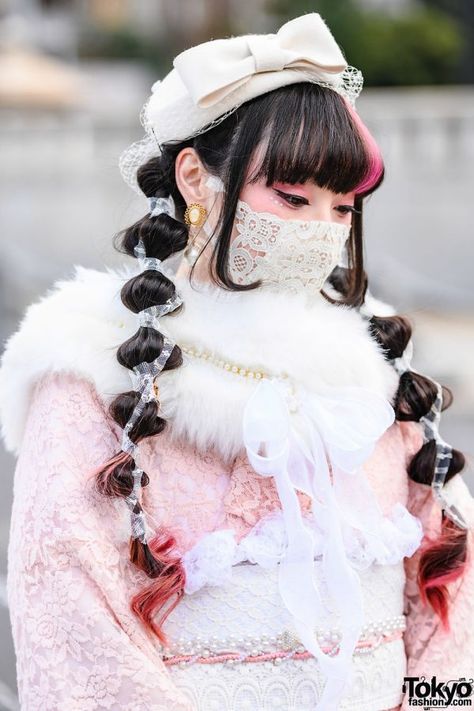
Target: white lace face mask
{"type": "Point", "coordinates": [293, 255]}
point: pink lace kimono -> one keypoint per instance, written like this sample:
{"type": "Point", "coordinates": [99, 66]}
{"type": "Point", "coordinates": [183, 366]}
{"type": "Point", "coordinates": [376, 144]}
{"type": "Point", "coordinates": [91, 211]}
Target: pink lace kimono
{"type": "Point", "coordinates": [78, 645]}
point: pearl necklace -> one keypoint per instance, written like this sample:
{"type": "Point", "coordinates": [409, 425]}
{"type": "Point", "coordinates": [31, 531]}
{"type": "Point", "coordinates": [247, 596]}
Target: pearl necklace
{"type": "Point", "coordinates": [255, 374]}
{"type": "Point", "coordinates": [250, 373]}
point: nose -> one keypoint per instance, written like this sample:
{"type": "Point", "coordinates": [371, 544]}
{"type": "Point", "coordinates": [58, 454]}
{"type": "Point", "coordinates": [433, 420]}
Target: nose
{"type": "Point", "coordinates": [323, 210]}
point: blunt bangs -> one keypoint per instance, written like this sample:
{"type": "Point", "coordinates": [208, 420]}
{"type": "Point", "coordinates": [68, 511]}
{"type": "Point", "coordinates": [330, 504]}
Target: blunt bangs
{"type": "Point", "coordinates": [309, 133]}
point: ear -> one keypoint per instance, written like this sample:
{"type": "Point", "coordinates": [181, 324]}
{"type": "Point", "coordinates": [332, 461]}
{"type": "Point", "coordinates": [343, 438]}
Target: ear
{"type": "Point", "coordinates": [191, 177]}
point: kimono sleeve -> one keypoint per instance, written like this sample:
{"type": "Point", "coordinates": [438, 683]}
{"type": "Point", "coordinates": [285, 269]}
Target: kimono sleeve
{"type": "Point", "coordinates": [69, 582]}
{"type": "Point", "coordinates": [432, 651]}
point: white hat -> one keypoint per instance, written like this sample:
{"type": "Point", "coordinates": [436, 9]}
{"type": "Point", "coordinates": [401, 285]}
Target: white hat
{"type": "Point", "coordinates": [212, 79]}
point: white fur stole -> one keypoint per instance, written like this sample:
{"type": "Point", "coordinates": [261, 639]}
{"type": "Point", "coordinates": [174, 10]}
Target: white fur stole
{"type": "Point", "coordinates": [79, 324]}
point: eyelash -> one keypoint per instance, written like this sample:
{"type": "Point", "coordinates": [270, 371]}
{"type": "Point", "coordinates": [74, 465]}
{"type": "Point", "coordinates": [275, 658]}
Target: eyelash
{"type": "Point", "coordinates": [302, 201]}
{"type": "Point", "coordinates": [347, 209]}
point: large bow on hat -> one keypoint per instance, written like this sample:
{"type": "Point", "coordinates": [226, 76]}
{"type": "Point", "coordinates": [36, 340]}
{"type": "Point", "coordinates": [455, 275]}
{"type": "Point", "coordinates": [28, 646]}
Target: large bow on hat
{"type": "Point", "coordinates": [212, 70]}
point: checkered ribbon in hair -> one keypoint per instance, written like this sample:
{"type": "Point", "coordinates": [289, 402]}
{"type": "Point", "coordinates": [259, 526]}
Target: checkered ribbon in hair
{"type": "Point", "coordinates": [143, 375]}
{"type": "Point", "coordinates": [444, 451]}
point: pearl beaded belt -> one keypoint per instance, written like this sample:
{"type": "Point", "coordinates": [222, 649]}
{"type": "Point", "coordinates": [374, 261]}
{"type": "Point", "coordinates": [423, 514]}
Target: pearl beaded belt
{"type": "Point", "coordinates": [277, 648]}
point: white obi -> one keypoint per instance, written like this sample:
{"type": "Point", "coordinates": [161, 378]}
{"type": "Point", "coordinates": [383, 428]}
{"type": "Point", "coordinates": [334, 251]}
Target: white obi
{"type": "Point", "coordinates": [232, 646]}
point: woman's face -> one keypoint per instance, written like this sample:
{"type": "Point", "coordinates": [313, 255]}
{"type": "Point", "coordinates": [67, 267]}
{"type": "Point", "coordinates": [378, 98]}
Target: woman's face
{"type": "Point", "coordinates": [301, 201]}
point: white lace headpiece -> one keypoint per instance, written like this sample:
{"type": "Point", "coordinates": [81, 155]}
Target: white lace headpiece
{"type": "Point", "coordinates": [212, 79]}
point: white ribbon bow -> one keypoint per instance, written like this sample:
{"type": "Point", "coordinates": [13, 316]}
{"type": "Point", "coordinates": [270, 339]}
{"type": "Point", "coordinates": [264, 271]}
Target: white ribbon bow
{"type": "Point", "coordinates": [341, 429]}
{"type": "Point", "coordinates": [212, 70]}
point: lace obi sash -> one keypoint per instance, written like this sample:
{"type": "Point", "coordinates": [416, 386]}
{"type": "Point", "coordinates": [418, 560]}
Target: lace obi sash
{"type": "Point", "coordinates": [233, 645]}
{"type": "Point", "coordinates": [233, 616]}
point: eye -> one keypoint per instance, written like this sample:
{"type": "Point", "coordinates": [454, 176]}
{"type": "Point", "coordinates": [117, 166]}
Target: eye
{"type": "Point", "coordinates": [294, 200]}
{"type": "Point", "coordinates": [346, 209]}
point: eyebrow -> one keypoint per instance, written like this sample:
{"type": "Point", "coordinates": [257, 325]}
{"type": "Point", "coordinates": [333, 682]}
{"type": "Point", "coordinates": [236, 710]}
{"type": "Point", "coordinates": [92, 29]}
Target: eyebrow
{"type": "Point", "coordinates": [292, 187]}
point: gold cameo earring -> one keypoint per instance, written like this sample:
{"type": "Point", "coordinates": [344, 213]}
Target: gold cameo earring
{"type": "Point", "coordinates": [195, 214]}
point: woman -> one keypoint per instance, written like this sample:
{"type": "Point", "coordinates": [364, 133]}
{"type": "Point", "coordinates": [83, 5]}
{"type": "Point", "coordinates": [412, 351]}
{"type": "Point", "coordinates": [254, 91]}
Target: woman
{"type": "Point", "coordinates": [274, 449]}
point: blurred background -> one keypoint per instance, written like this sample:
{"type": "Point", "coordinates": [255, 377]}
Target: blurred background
{"type": "Point", "coordinates": [74, 75]}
